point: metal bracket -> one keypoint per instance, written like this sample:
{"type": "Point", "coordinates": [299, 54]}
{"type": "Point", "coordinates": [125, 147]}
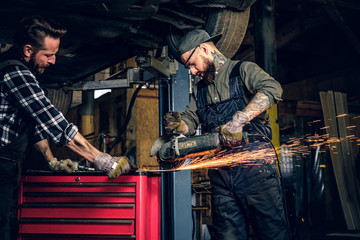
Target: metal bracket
{"type": "Point", "coordinates": [167, 67]}
{"type": "Point", "coordinates": [134, 75]}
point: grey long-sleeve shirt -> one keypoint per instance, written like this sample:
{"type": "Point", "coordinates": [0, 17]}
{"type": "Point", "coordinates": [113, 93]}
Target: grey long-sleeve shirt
{"type": "Point", "coordinates": [254, 79]}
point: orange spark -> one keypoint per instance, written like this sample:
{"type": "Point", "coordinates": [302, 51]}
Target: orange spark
{"type": "Point", "coordinates": [342, 115]}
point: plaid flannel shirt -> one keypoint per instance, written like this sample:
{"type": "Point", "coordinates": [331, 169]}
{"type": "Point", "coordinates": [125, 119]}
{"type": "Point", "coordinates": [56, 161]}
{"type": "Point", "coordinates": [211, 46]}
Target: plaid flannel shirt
{"type": "Point", "coordinates": [23, 100]}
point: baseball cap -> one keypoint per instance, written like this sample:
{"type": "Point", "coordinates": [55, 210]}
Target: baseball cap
{"type": "Point", "coordinates": [194, 38]}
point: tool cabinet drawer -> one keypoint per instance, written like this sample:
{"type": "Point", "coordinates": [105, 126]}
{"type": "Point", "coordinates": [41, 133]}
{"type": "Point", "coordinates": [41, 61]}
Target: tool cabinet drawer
{"type": "Point", "coordinates": [86, 207]}
{"type": "Point", "coordinates": [76, 210]}
{"type": "Point", "coordinates": [75, 237]}
{"type": "Point", "coordinates": [76, 226]}
{"type": "Point", "coordinates": [83, 197]}
{"type": "Point", "coordinates": [79, 192]}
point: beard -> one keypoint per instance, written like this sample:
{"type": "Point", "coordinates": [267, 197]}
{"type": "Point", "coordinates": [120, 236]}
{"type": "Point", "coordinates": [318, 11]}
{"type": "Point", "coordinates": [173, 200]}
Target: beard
{"type": "Point", "coordinates": [209, 72]}
{"type": "Point", "coordinates": [37, 67]}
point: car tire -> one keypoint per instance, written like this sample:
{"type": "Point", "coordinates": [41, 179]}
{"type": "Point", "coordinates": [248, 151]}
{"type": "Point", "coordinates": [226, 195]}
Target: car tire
{"type": "Point", "coordinates": [60, 99]}
{"type": "Point", "coordinates": [232, 24]}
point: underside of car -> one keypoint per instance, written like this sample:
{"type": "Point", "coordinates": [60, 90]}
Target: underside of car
{"type": "Point", "coordinates": [103, 33]}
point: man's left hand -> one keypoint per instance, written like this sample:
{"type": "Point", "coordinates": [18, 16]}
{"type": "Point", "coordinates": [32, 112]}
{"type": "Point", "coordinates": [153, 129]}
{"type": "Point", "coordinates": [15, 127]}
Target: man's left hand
{"type": "Point", "coordinates": [231, 132]}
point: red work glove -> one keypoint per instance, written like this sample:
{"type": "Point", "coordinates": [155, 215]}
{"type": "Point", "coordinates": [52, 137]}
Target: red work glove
{"type": "Point", "coordinates": [231, 132]}
{"type": "Point", "coordinates": [113, 166]}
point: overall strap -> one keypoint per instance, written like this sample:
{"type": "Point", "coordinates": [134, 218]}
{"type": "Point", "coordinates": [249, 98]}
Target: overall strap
{"type": "Point", "coordinates": [235, 72]}
{"type": "Point", "coordinates": [235, 84]}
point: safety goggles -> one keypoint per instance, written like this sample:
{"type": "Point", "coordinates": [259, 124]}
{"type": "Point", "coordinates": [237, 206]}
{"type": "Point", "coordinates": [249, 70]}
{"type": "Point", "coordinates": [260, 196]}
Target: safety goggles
{"type": "Point", "coordinates": [185, 64]}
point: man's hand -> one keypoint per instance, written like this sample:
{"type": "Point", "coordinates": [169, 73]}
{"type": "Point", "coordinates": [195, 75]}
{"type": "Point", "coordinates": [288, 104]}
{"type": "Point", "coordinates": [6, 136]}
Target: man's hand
{"type": "Point", "coordinates": [173, 122]}
{"type": "Point", "coordinates": [231, 132]}
{"type": "Point", "coordinates": [113, 166]}
{"type": "Point", "coordinates": [63, 165]}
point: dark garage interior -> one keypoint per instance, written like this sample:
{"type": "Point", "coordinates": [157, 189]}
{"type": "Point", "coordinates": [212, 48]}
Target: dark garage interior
{"type": "Point", "coordinates": [312, 47]}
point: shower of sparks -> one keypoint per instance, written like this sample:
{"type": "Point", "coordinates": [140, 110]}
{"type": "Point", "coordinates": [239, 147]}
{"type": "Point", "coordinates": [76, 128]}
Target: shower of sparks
{"type": "Point", "coordinates": [242, 155]}
{"type": "Point", "coordinates": [230, 157]}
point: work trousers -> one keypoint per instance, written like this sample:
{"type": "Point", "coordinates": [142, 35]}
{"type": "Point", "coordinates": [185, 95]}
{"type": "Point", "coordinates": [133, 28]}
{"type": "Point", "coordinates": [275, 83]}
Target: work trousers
{"type": "Point", "coordinates": [11, 159]}
{"type": "Point", "coordinates": [248, 194]}
{"type": "Point", "coordinates": [10, 171]}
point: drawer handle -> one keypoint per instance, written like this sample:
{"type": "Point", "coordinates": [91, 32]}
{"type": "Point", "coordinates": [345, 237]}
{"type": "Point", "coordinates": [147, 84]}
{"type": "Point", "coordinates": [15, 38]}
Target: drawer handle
{"type": "Point", "coordinates": [76, 194]}
{"type": "Point", "coordinates": [77, 183]}
{"type": "Point", "coordinates": [80, 205]}
{"type": "Point", "coordinates": [71, 220]}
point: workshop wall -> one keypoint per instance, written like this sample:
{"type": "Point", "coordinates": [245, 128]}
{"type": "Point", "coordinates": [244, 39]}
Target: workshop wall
{"type": "Point", "coordinates": [110, 113]}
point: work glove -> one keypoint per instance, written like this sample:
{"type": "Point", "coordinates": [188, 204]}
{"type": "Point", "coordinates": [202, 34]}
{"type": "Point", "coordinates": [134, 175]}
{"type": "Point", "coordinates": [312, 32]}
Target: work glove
{"type": "Point", "coordinates": [231, 132]}
{"type": "Point", "coordinates": [113, 166]}
{"type": "Point", "coordinates": [63, 165]}
{"type": "Point", "coordinates": [173, 122]}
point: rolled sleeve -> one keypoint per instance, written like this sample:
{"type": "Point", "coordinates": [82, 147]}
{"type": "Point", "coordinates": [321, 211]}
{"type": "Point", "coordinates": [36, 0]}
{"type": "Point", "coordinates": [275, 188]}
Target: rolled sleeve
{"type": "Point", "coordinates": [257, 80]}
{"type": "Point", "coordinates": [67, 136]}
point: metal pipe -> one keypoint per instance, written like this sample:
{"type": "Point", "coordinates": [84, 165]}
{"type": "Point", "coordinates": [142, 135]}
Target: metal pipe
{"type": "Point", "coordinates": [265, 52]}
{"type": "Point", "coordinates": [165, 196]}
{"type": "Point", "coordinates": [88, 113]}
{"type": "Point", "coordinates": [264, 36]}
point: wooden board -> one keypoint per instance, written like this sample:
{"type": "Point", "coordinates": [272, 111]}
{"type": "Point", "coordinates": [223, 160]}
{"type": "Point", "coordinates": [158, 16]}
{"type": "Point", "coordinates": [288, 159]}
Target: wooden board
{"type": "Point", "coordinates": [338, 151]}
{"type": "Point", "coordinates": [147, 126]}
{"type": "Point", "coordinates": [345, 136]}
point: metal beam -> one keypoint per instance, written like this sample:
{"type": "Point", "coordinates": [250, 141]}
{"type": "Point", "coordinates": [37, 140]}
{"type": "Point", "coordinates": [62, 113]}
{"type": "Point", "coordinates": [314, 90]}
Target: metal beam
{"type": "Point", "coordinates": [338, 19]}
{"type": "Point", "coordinates": [265, 52]}
{"type": "Point", "coordinates": [134, 75]}
{"type": "Point", "coordinates": [96, 85]}
{"type": "Point", "coordinates": [352, 4]}
{"type": "Point", "coordinates": [285, 35]}
{"type": "Point", "coordinates": [176, 186]}
{"type": "Point", "coordinates": [181, 181]}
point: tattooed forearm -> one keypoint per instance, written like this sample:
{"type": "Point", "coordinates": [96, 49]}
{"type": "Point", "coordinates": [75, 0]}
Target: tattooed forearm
{"type": "Point", "coordinates": [257, 105]}
{"type": "Point", "coordinates": [219, 59]}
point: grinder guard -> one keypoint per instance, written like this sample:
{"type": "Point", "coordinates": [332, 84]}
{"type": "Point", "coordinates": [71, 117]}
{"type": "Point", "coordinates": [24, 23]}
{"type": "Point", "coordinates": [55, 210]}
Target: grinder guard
{"type": "Point", "coordinates": [172, 152]}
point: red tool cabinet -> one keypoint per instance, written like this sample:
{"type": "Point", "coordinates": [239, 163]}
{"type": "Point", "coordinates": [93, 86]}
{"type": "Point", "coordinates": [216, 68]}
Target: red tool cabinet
{"type": "Point", "coordinates": [89, 207]}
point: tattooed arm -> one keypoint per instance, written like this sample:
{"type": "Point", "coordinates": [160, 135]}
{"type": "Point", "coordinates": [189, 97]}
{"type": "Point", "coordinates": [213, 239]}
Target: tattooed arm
{"type": "Point", "coordinates": [258, 104]}
{"type": "Point", "coordinates": [263, 91]}
{"type": "Point", "coordinates": [231, 132]}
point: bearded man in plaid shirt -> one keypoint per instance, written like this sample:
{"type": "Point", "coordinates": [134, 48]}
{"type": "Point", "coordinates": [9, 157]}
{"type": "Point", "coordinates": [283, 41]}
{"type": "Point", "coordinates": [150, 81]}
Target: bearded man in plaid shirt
{"type": "Point", "coordinates": [28, 117]}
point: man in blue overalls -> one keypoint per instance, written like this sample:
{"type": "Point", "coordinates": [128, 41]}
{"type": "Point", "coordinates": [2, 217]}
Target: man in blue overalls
{"type": "Point", "coordinates": [233, 97]}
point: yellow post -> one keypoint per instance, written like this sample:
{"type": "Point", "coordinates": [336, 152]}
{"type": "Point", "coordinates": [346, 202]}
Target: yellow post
{"type": "Point", "coordinates": [274, 121]}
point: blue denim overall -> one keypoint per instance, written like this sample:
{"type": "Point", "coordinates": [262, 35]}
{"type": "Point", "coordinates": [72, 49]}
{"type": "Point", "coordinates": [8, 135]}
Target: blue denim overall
{"type": "Point", "coordinates": [244, 194]}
